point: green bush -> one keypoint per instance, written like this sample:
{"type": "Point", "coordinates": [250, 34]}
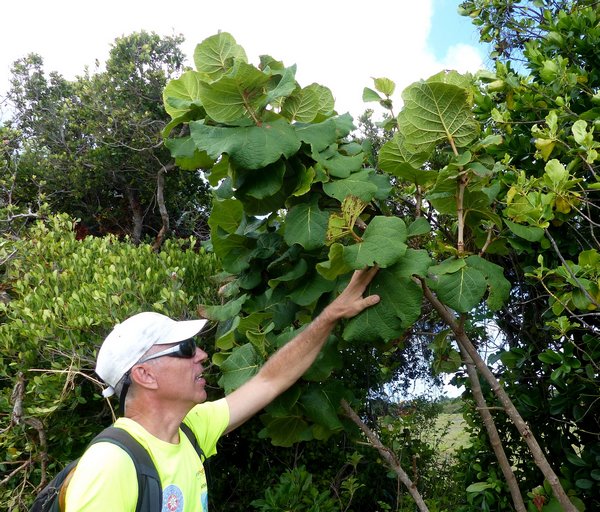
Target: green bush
{"type": "Point", "coordinates": [61, 297]}
{"type": "Point", "coordinates": [296, 491]}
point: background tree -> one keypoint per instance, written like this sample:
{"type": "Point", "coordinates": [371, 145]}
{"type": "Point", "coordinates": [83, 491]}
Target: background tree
{"type": "Point", "coordinates": [548, 121]}
{"type": "Point", "coordinates": [96, 144]}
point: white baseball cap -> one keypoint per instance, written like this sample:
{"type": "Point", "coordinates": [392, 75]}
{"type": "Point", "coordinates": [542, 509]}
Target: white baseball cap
{"type": "Point", "coordinates": [131, 339]}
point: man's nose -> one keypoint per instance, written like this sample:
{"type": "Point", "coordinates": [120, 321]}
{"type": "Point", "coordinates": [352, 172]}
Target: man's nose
{"type": "Point", "coordinates": [200, 355]}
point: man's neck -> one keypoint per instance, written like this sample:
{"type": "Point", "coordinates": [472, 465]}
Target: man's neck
{"type": "Point", "coordinates": [162, 423]}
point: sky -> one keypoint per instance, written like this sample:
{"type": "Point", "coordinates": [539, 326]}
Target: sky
{"type": "Point", "coordinates": [341, 44]}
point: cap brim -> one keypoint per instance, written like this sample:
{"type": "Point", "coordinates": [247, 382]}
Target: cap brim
{"type": "Point", "coordinates": [183, 330]}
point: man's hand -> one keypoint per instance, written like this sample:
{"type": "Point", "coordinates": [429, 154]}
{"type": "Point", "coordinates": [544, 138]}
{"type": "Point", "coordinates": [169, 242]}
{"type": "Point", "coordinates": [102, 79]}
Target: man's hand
{"type": "Point", "coordinates": [351, 301]}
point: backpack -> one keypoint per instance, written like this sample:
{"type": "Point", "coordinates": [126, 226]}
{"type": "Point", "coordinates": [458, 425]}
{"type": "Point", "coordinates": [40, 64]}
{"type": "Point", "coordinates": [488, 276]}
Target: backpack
{"type": "Point", "coordinates": [51, 498]}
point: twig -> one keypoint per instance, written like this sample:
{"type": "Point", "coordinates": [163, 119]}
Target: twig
{"type": "Point", "coordinates": [566, 265]}
{"type": "Point", "coordinates": [14, 472]}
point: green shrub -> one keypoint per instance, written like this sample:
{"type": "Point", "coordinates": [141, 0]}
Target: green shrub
{"type": "Point", "coordinates": [61, 298]}
{"type": "Point", "coordinates": [296, 491]}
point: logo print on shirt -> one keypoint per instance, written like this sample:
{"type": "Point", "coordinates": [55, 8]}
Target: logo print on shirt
{"type": "Point", "coordinates": [172, 499]}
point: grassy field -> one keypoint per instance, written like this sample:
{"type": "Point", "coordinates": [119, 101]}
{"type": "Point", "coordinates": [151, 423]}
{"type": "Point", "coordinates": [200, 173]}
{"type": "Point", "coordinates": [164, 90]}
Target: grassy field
{"type": "Point", "coordinates": [456, 436]}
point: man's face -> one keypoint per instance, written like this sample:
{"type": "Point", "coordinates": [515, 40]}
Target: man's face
{"type": "Point", "coordinates": [180, 378]}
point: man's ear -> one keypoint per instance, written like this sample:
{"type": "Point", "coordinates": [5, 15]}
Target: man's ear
{"type": "Point", "coordinates": [143, 375]}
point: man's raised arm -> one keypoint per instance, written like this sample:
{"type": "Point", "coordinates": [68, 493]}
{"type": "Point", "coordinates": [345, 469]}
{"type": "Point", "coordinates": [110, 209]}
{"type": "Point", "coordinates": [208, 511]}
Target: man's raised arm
{"type": "Point", "coordinates": [290, 362]}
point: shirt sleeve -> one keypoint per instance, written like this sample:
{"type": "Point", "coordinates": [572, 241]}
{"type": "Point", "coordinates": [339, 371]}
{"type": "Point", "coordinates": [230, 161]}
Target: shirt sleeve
{"type": "Point", "coordinates": [103, 466]}
{"type": "Point", "coordinates": [209, 421]}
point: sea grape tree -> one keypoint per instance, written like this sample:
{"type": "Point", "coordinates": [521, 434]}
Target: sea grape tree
{"type": "Point", "coordinates": [291, 196]}
{"type": "Point", "coordinates": [296, 209]}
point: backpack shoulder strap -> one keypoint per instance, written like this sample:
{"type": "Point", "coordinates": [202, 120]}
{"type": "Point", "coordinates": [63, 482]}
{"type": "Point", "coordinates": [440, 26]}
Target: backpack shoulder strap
{"type": "Point", "coordinates": [59, 505]}
{"type": "Point", "coordinates": [149, 486]}
{"type": "Point", "coordinates": [190, 435]}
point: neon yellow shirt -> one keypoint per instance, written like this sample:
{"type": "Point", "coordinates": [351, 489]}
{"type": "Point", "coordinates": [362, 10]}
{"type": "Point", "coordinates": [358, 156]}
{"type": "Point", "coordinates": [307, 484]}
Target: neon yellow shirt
{"type": "Point", "coordinates": [105, 478]}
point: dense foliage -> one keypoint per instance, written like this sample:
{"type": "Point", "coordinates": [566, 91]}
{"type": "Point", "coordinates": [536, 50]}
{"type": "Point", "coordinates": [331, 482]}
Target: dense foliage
{"type": "Point", "coordinates": [297, 208]}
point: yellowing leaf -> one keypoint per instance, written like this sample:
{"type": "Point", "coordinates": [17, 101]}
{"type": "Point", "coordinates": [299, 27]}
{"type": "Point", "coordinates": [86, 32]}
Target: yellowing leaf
{"type": "Point", "coordinates": [545, 147]}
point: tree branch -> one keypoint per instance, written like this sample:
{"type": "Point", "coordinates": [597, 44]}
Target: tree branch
{"type": "Point", "coordinates": [17, 418]}
{"type": "Point", "coordinates": [492, 431]}
{"type": "Point", "coordinates": [388, 456]}
{"type": "Point", "coordinates": [160, 199]}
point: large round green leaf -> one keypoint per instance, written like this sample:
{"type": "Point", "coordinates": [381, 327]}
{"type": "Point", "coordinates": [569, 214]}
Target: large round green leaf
{"type": "Point", "coordinates": [318, 135]}
{"type": "Point", "coordinates": [311, 289]}
{"type": "Point", "coordinates": [226, 214]}
{"type": "Point", "coordinates": [306, 225]}
{"type": "Point", "coordinates": [321, 403]}
{"type": "Point", "coordinates": [216, 55]}
{"type": "Point", "coordinates": [261, 183]}
{"type": "Point", "coordinates": [187, 157]}
{"type": "Point", "coordinates": [339, 165]}
{"type": "Point", "coordinates": [462, 290]}
{"type": "Point", "coordinates": [359, 184]}
{"type": "Point", "coordinates": [233, 250]}
{"type": "Point", "coordinates": [305, 104]}
{"type": "Point", "coordinates": [286, 429]}
{"type": "Point", "coordinates": [281, 85]}
{"type": "Point", "coordinates": [396, 159]}
{"type": "Point", "coordinates": [241, 94]}
{"type": "Point", "coordinates": [239, 367]}
{"type": "Point", "coordinates": [395, 312]}
{"type": "Point", "coordinates": [181, 92]}
{"type": "Point", "coordinates": [335, 265]}
{"type": "Point", "coordinates": [499, 286]}
{"type": "Point", "coordinates": [250, 147]}
{"type": "Point", "coordinates": [382, 244]}
{"type": "Point", "coordinates": [436, 112]}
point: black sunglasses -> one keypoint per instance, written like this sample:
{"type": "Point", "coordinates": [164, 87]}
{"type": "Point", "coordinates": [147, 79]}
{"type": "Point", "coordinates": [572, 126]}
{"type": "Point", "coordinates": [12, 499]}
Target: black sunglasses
{"type": "Point", "coordinates": [185, 349]}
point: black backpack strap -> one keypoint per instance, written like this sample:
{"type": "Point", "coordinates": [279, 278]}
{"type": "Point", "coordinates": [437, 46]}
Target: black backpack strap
{"type": "Point", "coordinates": [188, 432]}
{"type": "Point", "coordinates": [190, 435]}
{"type": "Point", "coordinates": [149, 486]}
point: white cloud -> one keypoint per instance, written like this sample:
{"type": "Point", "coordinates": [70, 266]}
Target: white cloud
{"type": "Point", "coordinates": [340, 44]}
{"type": "Point", "coordinates": [462, 58]}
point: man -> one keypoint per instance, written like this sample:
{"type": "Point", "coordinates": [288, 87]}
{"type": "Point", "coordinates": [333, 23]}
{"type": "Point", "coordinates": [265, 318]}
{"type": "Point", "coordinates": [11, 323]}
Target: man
{"type": "Point", "coordinates": [149, 360]}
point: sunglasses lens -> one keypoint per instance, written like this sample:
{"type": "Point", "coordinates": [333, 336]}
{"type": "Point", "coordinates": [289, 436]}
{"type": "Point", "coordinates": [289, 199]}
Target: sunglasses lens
{"type": "Point", "coordinates": [187, 348]}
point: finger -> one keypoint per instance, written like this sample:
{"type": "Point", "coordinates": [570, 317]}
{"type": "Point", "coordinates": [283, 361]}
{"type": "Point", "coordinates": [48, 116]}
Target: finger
{"type": "Point", "coordinates": [363, 304]}
{"type": "Point", "coordinates": [371, 300]}
{"type": "Point", "coordinates": [365, 274]}
{"type": "Point", "coordinates": [372, 271]}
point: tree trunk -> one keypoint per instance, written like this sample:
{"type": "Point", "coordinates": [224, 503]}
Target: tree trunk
{"type": "Point", "coordinates": [493, 434]}
{"type": "Point", "coordinates": [538, 455]}
{"type": "Point", "coordinates": [160, 199]}
{"type": "Point", "coordinates": [137, 216]}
